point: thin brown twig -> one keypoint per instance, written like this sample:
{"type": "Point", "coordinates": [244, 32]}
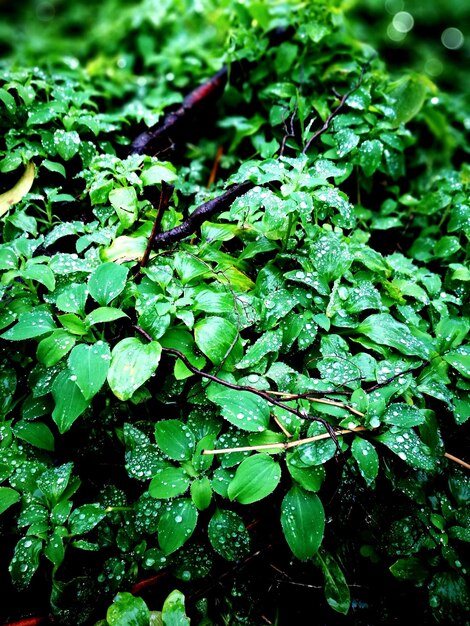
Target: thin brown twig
{"type": "Point", "coordinates": [451, 457]}
{"type": "Point", "coordinates": [294, 396]}
{"type": "Point", "coordinates": [335, 111]}
{"type": "Point", "coordinates": [215, 167]}
{"type": "Point", "coordinates": [286, 445]}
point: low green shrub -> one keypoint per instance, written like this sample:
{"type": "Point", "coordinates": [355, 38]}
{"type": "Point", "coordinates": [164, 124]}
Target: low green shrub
{"type": "Point", "coordinates": [291, 371]}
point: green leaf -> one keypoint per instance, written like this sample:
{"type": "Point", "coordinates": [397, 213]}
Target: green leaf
{"type": "Point", "coordinates": [367, 459]}
{"type": "Point", "coordinates": [409, 447]}
{"type": "Point", "coordinates": [346, 140]}
{"type": "Point", "coordinates": [256, 477]}
{"type": "Point", "coordinates": [127, 610]}
{"type": "Point", "coordinates": [73, 324]}
{"type": "Point", "coordinates": [228, 535]}
{"type": "Point", "coordinates": [403, 415]}
{"type": "Point", "coordinates": [124, 201]}
{"type": "Point", "coordinates": [104, 314]}
{"type": "Point", "coordinates": [25, 561]}
{"type": "Point", "coordinates": [410, 568]}
{"type": "Point", "coordinates": [303, 522]}
{"type": "Point", "coordinates": [370, 156]}
{"type": "Point", "coordinates": [408, 95]}
{"type": "Point", "coordinates": [73, 298]}
{"type": "Point", "coordinates": [69, 401]}
{"type": "Point", "coordinates": [336, 588]}
{"type": "Point", "coordinates": [35, 433]}
{"type": "Point", "coordinates": [176, 524]}
{"type": "Point", "coordinates": [169, 483]}
{"type": "Point", "coordinates": [310, 478]}
{"type": "Point", "coordinates": [40, 273]}
{"type": "Point", "coordinates": [218, 339]}
{"type": "Point", "coordinates": [158, 172]}
{"type": "Point", "coordinates": [30, 324]}
{"type": "Point", "coordinates": [8, 497]}
{"type": "Point", "coordinates": [85, 518]}
{"type": "Point", "coordinates": [55, 550]}
{"type": "Point", "coordinates": [132, 364]}
{"type": "Point", "coordinates": [173, 612]}
{"type": "Point", "coordinates": [384, 330]}
{"type": "Point", "coordinates": [51, 349]}
{"type": "Point", "coordinates": [66, 143]}
{"type": "Point", "coordinates": [201, 493]}
{"type": "Point", "coordinates": [89, 366]}
{"type": "Point", "coordinates": [53, 482]}
{"type": "Point", "coordinates": [460, 360]}
{"type": "Point", "coordinates": [175, 439]}
{"type": "Point", "coordinates": [243, 409]}
{"type": "Point", "coordinates": [107, 282]}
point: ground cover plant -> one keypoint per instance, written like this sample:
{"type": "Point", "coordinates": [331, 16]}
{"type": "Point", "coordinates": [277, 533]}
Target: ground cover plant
{"type": "Point", "coordinates": [235, 368]}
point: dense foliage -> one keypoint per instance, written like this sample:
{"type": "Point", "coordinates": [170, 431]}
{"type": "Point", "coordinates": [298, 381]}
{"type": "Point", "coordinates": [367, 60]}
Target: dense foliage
{"type": "Point", "coordinates": [319, 322]}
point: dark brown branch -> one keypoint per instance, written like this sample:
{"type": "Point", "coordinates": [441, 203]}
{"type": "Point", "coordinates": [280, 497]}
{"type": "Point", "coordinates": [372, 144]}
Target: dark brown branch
{"type": "Point", "coordinates": [157, 138]}
{"type": "Point", "coordinates": [165, 195]}
{"type": "Point", "coordinates": [200, 215]}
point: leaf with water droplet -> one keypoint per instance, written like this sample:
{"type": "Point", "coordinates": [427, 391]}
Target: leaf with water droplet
{"type": "Point", "coordinates": [106, 282]}
{"type": "Point", "coordinates": [170, 482]}
{"type": "Point", "coordinates": [176, 524]}
{"type": "Point", "coordinates": [89, 365]}
{"type": "Point", "coordinates": [132, 364]}
{"type": "Point", "coordinates": [303, 522]}
{"type": "Point", "coordinates": [175, 439]}
{"type": "Point", "coordinates": [228, 535]}
{"type": "Point", "coordinates": [256, 477]}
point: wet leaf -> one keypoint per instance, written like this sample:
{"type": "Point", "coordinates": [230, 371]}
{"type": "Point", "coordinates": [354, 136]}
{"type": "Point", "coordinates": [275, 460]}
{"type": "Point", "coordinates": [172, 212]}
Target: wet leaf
{"type": "Point", "coordinates": [303, 522]}
{"type": "Point", "coordinates": [228, 535]}
{"type": "Point", "coordinates": [132, 364]}
{"type": "Point", "coordinates": [256, 477]}
{"type": "Point", "coordinates": [176, 525]}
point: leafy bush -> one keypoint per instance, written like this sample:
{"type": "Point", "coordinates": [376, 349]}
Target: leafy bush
{"type": "Point", "coordinates": [255, 335]}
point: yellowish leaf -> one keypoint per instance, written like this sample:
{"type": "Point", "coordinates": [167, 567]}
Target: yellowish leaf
{"type": "Point", "coordinates": [16, 193]}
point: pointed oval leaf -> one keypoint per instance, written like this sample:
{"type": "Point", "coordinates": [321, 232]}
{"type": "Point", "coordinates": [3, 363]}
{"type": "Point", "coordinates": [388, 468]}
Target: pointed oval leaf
{"type": "Point", "coordinates": [175, 439]}
{"type": "Point", "coordinates": [336, 590]}
{"type": "Point", "coordinates": [127, 610]}
{"type": "Point", "coordinates": [170, 482]}
{"type": "Point", "coordinates": [69, 401]}
{"type": "Point", "coordinates": [173, 611]}
{"type": "Point", "coordinates": [243, 409]}
{"type": "Point", "coordinates": [89, 366]}
{"type": "Point", "coordinates": [409, 447]}
{"type": "Point", "coordinates": [132, 364]}
{"type": "Point", "coordinates": [30, 324]}
{"type": "Point", "coordinates": [218, 339]}
{"type": "Point", "coordinates": [8, 497]}
{"type": "Point", "coordinates": [107, 282]}
{"type": "Point", "coordinates": [403, 415]}
{"type": "Point", "coordinates": [25, 561]}
{"type": "Point", "coordinates": [303, 522]}
{"type": "Point", "coordinates": [228, 535]}
{"type": "Point", "coordinates": [35, 433]}
{"type": "Point", "coordinates": [176, 524]}
{"type": "Point", "coordinates": [385, 330]}
{"type": "Point", "coordinates": [85, 518]}
{"type": "Point", "coordinates": [51, 349]}
{"type": "Point", "coordinates": [201, 493]}
{"type": "Point", "coordinates": [367, 459]}
{"type": "Point", "coordinates": [256, 477]}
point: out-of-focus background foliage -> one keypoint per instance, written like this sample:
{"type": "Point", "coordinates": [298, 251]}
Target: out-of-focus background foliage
{"type": "Point", "coordinates": [430, 36]}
